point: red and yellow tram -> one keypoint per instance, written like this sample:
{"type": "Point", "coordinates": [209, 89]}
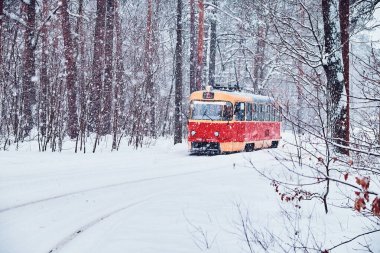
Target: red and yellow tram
{"type": "Point", "coordinates": [230, 121]}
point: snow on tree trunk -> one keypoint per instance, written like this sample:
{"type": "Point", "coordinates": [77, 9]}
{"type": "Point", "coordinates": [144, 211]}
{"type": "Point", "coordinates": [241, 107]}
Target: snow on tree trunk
{"type": "Point", "coordinates": [97, 67]}
{"type": "Point", "coordinates": [332, 65]}
{"type": "Point", "coordinates": [213, 46]}
{"type": "Point", "coordinates": [107, 89]}
{"type": "Point", "coordinates": [344, 17]}
{"type": "Point", "coordinates": [199, 69]}
{"type": "Point", "coordinates": [193, 86]}
{"type": "Point", "coordinates": [258, 71]}
{"type": "Point", "coordinates": [71, 73]}
{"type": "Point", "coordinates": [28, 76]}
{"type": "Point", "coordinates": [44, 79]}
{"type": "Point", "coordinates": [119, 83]}
{"type": "Point", "coordinates": [178, 78]}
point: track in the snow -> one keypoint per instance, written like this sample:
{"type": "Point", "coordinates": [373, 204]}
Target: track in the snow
{"type": "Point", "coordinates": [102, 187]}
{"type": "Point", "coordinates": [61, 244]}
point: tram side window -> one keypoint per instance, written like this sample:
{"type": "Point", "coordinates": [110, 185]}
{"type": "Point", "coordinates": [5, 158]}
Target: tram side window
{"type": "Point", "coordinates": [249, 112]}
{"type": "Point", "coordinates": [255, 113]}
{"type": "Point", "coordinates": [267, 116]}
{"type": "Point", "coordinates": [261, 113]}
{"type": "Point", "coordinates": [272, 114]}
{"type": "Point", "coordinates": [275, 114]}
{"type": "Point", "coordinates": [240, 111]}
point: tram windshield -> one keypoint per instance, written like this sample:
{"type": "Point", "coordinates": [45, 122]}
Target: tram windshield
{"type": "Point", "coordinates": [207, 110]}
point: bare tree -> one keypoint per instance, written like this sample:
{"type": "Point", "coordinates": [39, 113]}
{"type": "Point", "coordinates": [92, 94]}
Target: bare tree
{"type": "Point", "coordinates": [97, 67]}
{"type": "Point", "coordinates": [28, 77]}
{"type": "Point", "coordinates": [71, 73]}
{"type": "Point", "coordinates": [200, 49]}
{"type": "Point", "coordinates": [108, 77]}
{"type": "Point", "coordinates": [178, 78]}
{"type": "Point", "coordinates": [192, 82]}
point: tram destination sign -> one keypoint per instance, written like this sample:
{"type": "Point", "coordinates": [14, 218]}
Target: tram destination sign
{"type": "Point", "coordinates": [208, 95]}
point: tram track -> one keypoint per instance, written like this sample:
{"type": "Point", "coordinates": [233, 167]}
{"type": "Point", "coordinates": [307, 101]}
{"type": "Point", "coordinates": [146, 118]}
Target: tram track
{"type": "Point", "coordinates": [79, 231]}
{"type": "Point", "coordinates": [108, 186]}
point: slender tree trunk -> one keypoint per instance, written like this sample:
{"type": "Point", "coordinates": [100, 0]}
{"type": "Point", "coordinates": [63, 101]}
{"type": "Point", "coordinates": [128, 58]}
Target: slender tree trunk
{"type": "Point", "coordinates": [178, 77]}
{"type": "Point", "coordinates": [107, 89]}
{"type": "Point", "coordinates": [149, 70]}
{"type": "Point", "coordinates": [97, 67]}
{"type": "Point", "coordinates": [44, 79]}
{"type": "Point", "coordinates": [71, 73]}
{"type": "Point", "coordinates": [119, 84]}
{"type": "Point", "coordinates": [258, 71]}
{"type": "Point", "coordinates": [336, 111]}
{"type": "Point", "coordinates": [28, 86]}
{"type": "Point", "coordinates": [344, 17]}
{"type": "Point", "coordinates": [213, 46]}
{"type": "Point", "coordinates": [200, 44]}
{"type": "Point", "coordinates": [1, 31]}
{"type": "Point", "coordinates": [193, 64]}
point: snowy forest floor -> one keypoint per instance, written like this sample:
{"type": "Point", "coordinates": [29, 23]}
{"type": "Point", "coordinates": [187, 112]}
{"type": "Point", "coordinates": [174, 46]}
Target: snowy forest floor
{"type": "Point", "coordinates": [155, 199]}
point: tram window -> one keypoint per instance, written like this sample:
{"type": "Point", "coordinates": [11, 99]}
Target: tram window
{"type": "Point", "coordinates": [280, 114]}
{"type": "Point", "coordinates": [240, 111]}
{"type": "Point", "coordinates": [255, 112]}
{"type": "Point", "coordinates": [275, 114]}
{"type": "Point", "coordinates": [268, 113]}
{"type": "Point", "coordinates": [227, 115]}
{"type": "Point", "coordinates": [249, 112]}
{"type": "Point", "coordinates": [261, 113]}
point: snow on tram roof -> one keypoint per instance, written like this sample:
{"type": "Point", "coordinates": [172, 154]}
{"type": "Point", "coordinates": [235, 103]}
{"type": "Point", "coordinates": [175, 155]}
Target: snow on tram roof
{"type": "Point", "coordinates": [255, 97]}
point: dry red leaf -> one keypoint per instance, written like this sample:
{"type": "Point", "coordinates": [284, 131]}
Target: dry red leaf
{"type": "Point", "coordinates": [359, 204]}
{"type": "Point", "coordinates": [376, 206]}
{"type": "Point", "coordinates": [345, 176]}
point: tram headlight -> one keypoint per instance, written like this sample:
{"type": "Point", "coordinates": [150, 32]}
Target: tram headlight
{"type": "Point", "coordinates": [193, 133]}
{"type": "Point", "coordinates": [216, 134]}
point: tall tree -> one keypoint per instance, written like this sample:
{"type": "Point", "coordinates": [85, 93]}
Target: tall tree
{"type": "Point", "coordinates": [97, 67]}
{"type": "Point", "coordinates": [71, 72]}
{"type": "Point", "coordinates": [149, 70]}
{"type": "Point", "coordinates": [332, 65]}
{"type": "Point", "coordinates": [201, 18]}
{"type": "Point", "coordinates": [213, 45]}
{"type": "Point", "coordinates": [344, 18]}
{"type": "Point", "coordinates": [107, 89]}
{"type": "Point", "coordinates": [28, 76]}
{"type": "Point", "coordinates": [119, 83]}
{"type": "Point", "coordinates": [193, 86]}
{"type": "Point", "coordinates": [178, 78]}
{"type": "Point", "coordinates": [258, 71]}
{"type": "Point", "coordinates": [44, 78]}
{"type": "Point", "coordinates": [1, 30]}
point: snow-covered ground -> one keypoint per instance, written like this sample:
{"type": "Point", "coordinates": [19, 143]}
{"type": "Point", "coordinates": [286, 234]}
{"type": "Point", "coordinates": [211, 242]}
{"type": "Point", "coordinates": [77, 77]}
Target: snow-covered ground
{"type": "Point", "coordinates": [156, 199]}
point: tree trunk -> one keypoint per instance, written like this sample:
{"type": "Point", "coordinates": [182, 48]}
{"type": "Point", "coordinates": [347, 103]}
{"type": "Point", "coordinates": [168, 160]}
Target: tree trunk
{"type": "Point", "coordinates": [178, 78]}
{"type": "Point", "coordinates": [44, 79]}
{"type": "Point", "coordinates": [149, 71]}
{"type": "Point", "coordinates": [28, 77]}
{"type": "Point", "coordinates": [213, 46]}
{"type": "Point", "coordinates": [344, 17]}
{"type": "Point", "coordinates": [119, 84]}
{"type": "Point", "coordinates": [71, 73]}
{"type": "Point", "coordinates": [200, 44]}
{"type": "Point", "coordinates": [97, 67]}
{"type": "Point", "coordinates": [1, 31]}
{"type": "Point", "coordinates": [332, 64]}
{"type": "Point", "coordinates": [193, 86]}
{"type": "Point", "coordinates": [107, 89]}
{"type": "Point", "coordinates": [258, 72]}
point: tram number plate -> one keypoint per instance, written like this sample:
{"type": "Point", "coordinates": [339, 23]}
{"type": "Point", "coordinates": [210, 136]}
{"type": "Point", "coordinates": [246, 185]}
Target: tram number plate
{"type": "Point", "coordinates": [208, 95]}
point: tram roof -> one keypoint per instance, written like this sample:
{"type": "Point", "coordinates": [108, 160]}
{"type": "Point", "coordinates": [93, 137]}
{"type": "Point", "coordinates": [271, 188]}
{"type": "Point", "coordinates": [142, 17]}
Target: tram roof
{"type": "Point", "coordinates": [234, 96]}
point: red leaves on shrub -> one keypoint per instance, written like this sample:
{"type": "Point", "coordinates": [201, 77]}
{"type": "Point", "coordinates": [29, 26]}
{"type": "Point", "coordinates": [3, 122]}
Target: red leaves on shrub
{"type": "Point", "coordinates": [363, 182]}
{"type": "Point", "coordinates": [376, 206]}
{"type": "Point", "coordinates": [345, 176]}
